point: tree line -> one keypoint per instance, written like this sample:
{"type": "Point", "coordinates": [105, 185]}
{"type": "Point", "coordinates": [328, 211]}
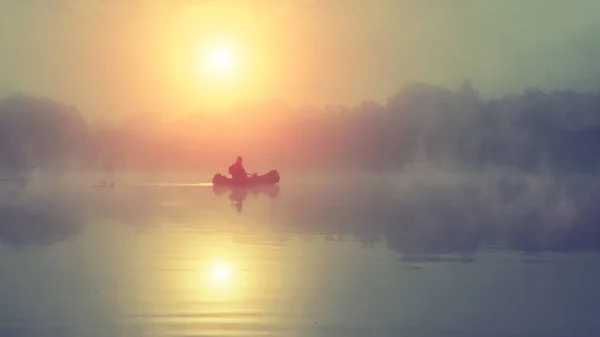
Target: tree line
{"type": "Point", "coordinates": [531, 131]}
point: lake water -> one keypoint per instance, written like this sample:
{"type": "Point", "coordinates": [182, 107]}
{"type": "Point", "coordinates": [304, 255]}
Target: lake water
{"type": "Point", "coordinates": [406, 255]}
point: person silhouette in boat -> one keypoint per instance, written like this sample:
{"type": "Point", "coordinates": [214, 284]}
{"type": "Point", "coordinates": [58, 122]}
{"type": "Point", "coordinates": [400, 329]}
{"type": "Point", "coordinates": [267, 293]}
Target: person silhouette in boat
{"type": "Point", "coordinates": [238, 172]}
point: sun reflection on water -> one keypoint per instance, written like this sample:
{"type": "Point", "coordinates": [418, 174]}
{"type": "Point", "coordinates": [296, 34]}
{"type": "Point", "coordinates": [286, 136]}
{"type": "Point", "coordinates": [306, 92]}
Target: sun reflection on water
{"type": "Point", "coordinates": [221, 280]}
{"type": "Point", "coordinates": [220, 272]}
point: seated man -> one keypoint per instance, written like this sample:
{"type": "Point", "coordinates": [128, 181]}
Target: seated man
{"type": "Point", "coordinates": [237, 170]}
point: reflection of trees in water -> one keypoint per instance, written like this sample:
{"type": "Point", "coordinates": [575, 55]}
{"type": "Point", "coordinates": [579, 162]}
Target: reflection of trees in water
{"type": "Point", "coordinates": [38, 222]}
{"type": "Point", "coordinates": [516, 213]}
{"type": "Point", "coordinates": [526, 216]}
{"type": "Point", "coordinates": [414, 217]}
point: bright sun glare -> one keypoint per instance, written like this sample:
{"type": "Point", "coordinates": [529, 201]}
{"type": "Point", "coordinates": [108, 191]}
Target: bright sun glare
{"type": "Point", "coordinates": [221, 280]}
{"type": "Point", "coordinates": [220, 61]}
{"type": "Point", "coordinates": [220, 272]}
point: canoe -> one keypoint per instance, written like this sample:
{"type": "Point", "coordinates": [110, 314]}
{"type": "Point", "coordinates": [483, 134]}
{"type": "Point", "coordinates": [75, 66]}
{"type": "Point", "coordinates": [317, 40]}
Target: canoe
{"type": "Point", "coordinates": [270, 178]}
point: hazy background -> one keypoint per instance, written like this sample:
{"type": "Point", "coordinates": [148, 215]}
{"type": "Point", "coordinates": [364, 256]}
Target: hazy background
{"type": "Point", "coordinates": [114, 58]}
{"type": "Point", "coordinates": [115, 85]}
{"type": "Point", "coordinates": [438, 158]}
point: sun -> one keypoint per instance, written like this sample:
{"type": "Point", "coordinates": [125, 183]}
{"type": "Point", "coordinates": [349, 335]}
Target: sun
{"type": "Point", "coordinates": [220, 272]}
{"type": "Point", "coordinates": [220, 61]}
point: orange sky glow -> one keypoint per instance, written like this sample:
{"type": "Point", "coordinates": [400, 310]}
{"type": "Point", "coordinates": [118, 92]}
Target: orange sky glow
{"type": "Point", "coordinates": [112, 58]}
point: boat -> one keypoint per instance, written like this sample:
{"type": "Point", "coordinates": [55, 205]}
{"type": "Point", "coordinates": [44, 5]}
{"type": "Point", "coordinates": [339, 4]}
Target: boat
{"type": "Point", "coordinates": [105, 185]}
{"type": "Point", "coordinates": [269, 178]}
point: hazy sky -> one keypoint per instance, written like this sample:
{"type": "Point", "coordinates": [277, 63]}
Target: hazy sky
{"type": "Point", "coordinates": [110, 57]}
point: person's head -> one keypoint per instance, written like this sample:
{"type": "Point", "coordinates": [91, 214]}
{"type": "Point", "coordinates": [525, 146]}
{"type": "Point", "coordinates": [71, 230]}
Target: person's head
{"type": "Point", "coordinates": [239, 159]}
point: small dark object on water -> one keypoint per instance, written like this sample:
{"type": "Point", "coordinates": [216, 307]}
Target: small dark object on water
{"type": "Point", "coordinates": [104, 184]}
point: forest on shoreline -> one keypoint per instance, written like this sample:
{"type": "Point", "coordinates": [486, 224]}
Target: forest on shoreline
{"type": "Point", "coordinates": [532, 131]}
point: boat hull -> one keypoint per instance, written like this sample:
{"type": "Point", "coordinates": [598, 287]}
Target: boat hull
{"type": "Point", "coordinates": [270, 178]}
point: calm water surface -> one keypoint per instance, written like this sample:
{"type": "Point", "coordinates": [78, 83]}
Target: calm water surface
{"type": "Point", "coordinates": [422, 255]}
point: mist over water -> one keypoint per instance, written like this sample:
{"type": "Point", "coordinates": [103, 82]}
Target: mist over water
{"type": "Point", "coordinates": [417, 253]}
{"type": "Point", "coordinates": [434, 214]}
{"type": "Point", "coordinates": [410, 210]}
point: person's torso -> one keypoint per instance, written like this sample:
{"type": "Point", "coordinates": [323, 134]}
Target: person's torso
{"type": "Point", "coordinates": [236, 169]}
